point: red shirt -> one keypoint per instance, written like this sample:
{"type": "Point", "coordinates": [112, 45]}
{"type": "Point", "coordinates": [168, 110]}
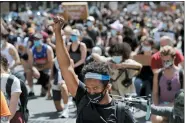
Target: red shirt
{"type": "Point", "coordinates": [156, 62]}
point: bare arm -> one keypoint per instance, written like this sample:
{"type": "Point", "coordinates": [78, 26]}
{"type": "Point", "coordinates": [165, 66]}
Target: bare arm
{"type": "Point", "coordinates": [155, 89]}
{"type": "Point", "coordinates": [99, 58]}
{"type": "Point", "coordinates": [30, 58]}
{"type": "Point", "coordinates": [50, 79]}
{"type": "Point", "coordinates": [136, 65]}
{"type": "Point", "coordinates": [83, 50]}
{"type": "Point", "coordinates": [64, 61]}
{"type": "Point", "coordinates": [15, 55]}
{"type": "Point", "coordinates": [51, 44]}
{"type": "Point", "coordinates": [155, 71]}
{"type": "Point", "coordinates": [13, 103]}
{"type": "Point", "coordinates": [51, 75]}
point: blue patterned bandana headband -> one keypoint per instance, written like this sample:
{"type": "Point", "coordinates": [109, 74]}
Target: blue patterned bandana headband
{"type": "Point", "coordinates": [90, 75]}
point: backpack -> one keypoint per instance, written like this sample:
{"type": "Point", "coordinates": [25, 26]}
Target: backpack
{"type": "Point", "coordinates": [181, 74]}
{"type": "Point", "coordinates": [23, 97]}
{"type": "Point", "coordinates": [120, 112]}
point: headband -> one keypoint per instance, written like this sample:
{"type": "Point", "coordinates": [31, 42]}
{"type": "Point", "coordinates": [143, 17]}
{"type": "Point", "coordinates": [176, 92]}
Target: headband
{"type": "Point", "coordinates": [90, 75]}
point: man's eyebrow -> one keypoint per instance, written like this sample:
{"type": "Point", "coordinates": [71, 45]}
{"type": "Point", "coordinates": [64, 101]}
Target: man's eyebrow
{"type": "Point", "coordinates": [92, 86]}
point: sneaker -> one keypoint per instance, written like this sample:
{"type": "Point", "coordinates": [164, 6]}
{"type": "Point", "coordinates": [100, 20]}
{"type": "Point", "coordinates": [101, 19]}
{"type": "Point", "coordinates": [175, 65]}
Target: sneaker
{"type": "Point", "coordinates": [65, 113]}
{"type": "Point", "coordinates": [31, 94]}
{"type": "Point", "coordinates": [43, 92]}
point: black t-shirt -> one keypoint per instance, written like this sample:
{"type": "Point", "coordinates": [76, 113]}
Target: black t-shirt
{"type": "Point", "coordinates": [88, 42]}
{"type": "Point", "coordinates": [93, 34]}
{"type": "Point", "coordinates": [96, 113]}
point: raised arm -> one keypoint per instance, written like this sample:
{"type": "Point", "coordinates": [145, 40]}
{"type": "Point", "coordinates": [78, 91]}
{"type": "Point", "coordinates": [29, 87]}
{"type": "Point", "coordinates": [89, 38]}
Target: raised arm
{"type": "Point", "coordinates": [63, 57]}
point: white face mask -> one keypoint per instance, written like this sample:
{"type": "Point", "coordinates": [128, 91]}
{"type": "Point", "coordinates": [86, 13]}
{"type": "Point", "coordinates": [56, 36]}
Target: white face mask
{"type": "Point", "coordinates": [117, 59]}
{"type": "Point", "coordinates": [146, 48]}
{"type": "Point", "coordinates": [167, 64]}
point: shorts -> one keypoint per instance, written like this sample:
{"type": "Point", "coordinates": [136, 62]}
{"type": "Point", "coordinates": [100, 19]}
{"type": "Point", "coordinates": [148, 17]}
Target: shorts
{"type": "Point", "coordinates": [24, 56]}
{"type": "Point", "coordinates": [44, 79]}
{"type": "Point", "coordinates": [57, 96]}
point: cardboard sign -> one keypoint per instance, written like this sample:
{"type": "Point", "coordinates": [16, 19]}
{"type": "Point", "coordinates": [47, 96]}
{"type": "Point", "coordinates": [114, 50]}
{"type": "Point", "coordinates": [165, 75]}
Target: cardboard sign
{"type": "Point", "coordinates": [4, 7]}
{"type": "Point", "coordinates": [75, 10]}
{"type": "Point", "coordinates": [143, 59]}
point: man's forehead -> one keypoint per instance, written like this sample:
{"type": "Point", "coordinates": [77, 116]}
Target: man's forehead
{"type": "Point", "coordinates": [90, 81]}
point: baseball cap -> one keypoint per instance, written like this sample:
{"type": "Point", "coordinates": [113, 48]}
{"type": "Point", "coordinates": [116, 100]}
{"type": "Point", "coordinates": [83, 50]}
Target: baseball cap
{"type": "Point", "coordinates": [97, 50]}
{"type": "Point", "coordinates": [38, 36]}
{"type": "Point", "coordinates": [75, 32]}
{"type": "Point", "coordinates": [91, 18]}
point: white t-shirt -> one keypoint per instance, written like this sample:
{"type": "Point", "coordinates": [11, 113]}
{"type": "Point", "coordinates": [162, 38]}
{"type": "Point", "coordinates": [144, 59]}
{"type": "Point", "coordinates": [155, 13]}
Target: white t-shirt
{"type": "Point", "coordinates": [16, 87]}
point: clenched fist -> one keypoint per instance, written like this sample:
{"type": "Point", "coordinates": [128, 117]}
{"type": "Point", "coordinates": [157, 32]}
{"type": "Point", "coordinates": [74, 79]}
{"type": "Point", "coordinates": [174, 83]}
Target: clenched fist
{"type": "Point", "coordinates": [59, 23]}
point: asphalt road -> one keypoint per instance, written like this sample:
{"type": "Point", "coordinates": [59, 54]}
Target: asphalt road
{"type": "Point", "coordinates": [43, 110]}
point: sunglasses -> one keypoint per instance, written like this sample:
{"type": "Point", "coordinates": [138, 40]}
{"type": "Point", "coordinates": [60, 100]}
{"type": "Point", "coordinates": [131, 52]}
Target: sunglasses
{"type": "Point", "coordinates": [169, 85]}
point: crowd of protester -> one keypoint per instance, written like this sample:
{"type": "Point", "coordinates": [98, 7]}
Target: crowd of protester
{"type": "Point", "coordinates": [120, 39]}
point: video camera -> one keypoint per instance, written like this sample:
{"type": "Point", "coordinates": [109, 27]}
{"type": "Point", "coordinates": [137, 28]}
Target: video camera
{"type": "Point", "coordinates": [132, 100]}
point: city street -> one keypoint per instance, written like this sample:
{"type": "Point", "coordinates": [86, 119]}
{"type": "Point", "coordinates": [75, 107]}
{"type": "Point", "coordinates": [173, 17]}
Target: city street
{"type": "Point", "coordinates": [43, 111]}
{"type": "Point", "coordinates": [113, 47]}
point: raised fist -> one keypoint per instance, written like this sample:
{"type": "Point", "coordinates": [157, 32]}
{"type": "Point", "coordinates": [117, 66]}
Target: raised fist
{"type": "Point", "coordinates": [59, 23]}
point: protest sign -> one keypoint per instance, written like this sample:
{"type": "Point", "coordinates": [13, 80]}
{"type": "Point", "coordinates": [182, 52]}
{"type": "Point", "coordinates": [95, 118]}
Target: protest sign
{"type": "Point", "coordinates": [4, 7]}
{"type": "Point", "coordinates": [143, 59]}
{"type": "Point", "coordinates": [75, 10]}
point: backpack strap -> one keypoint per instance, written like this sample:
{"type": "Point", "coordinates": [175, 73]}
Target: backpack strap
{"type": "Point", "coordinates": [120, 73]}
{"type": "Point", "coordinates": [81, 105]}
{"type": "Point", "coordinates": [120, 113]}
{"type": "Point", "coordinates": [181, 77]}
{"type": "Point", "coordinates": [159, 77]}
{"type": "Point", "coordinates": [9, 83]}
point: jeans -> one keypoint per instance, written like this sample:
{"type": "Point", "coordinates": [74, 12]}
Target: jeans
{"type": "Point", "coordinates": [143, 88]}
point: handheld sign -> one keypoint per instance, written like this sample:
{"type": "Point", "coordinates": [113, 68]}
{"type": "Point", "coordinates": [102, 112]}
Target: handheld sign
{"type": "Point", "coordinates": [75, 10]}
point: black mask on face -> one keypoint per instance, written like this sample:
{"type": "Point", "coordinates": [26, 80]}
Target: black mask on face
{"type": "Point", "coordinates": [97, 97]}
